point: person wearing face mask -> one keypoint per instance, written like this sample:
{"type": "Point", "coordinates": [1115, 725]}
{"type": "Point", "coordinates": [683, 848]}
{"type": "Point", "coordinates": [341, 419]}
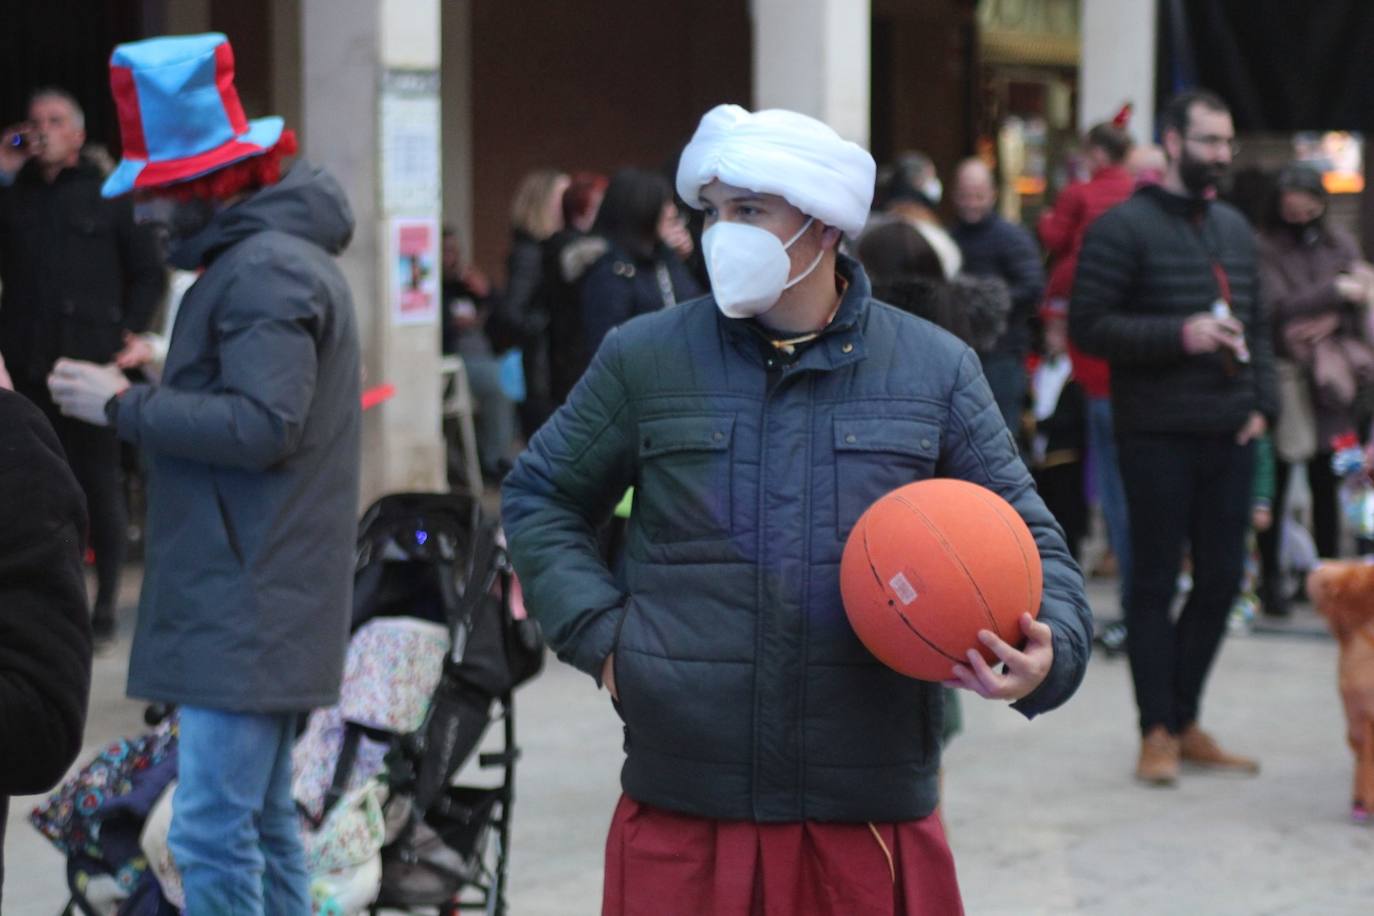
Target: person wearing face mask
{"type": "Point", "coordinates": [77, 274]}
{"type": "Point", "coordinates": [251, 441]}
{"type": "Point", "coordinates": [909, 190]}
{"type": "Point", "coordinates": [1318, 287]}
{"type": "Point", "coordinates": [1167, 291]}
{"type": "Point", "coordinates": [786, 769]}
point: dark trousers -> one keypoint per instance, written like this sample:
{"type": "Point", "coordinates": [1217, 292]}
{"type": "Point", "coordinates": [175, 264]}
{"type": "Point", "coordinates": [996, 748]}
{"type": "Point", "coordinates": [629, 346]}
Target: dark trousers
{"type": "Point", "coordinates": [1061, 487]}
{"type": "Point", "coordinates": [1326, 530]}
{"type": "Point", "coordinates": [1181, 490]}
{"type": "Point", "coordinates": [1006, 375]}
{"type": "Point", "coordinates": [93, 453]}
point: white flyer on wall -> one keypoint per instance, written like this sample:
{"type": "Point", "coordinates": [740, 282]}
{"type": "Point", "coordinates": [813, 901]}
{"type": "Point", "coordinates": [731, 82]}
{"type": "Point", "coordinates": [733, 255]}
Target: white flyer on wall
{"type": "Point", "coordinates": [410, 141]}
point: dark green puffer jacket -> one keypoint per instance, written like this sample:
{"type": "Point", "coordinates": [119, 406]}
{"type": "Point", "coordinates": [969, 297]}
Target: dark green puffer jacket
{"type": "Point", "coordinates": [744, 691]}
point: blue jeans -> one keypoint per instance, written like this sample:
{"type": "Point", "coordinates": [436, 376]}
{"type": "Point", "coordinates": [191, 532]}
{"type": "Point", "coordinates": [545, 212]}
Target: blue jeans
{"type": "Point", "coordinates": [1110, 492]}
{"type": "Point", "coordinates": [234, 834]}
{"type": "Point", "coordinates": [495, 413]}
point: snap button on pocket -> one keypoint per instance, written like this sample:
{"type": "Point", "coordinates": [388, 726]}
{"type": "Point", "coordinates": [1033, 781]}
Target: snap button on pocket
{"type": "Point", "coordinates": [851, 438]}
{"type": "Point", "coordinates": [847, 348]}
{"type": "Point", "coordinates": [717, 435]}
{"type": "Point", "coordinates": [925, 443]}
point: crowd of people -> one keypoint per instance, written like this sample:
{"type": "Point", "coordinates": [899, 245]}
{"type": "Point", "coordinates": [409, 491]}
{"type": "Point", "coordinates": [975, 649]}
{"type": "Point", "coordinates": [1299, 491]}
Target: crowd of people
{"type": "Point", "coordinates": [1144, 356]}
{"type": "Point", "coordinates": [1140, 360]}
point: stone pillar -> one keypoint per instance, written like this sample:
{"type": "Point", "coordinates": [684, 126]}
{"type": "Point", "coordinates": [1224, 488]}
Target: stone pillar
{"type": "Point", "coordinates": [369, 82]}
{"type": "Point", "coordinates": [1118, 64]}
{"type": "Point", "coordinates": [284, 32]}
{"type": "Point", "coordinates": [812, 56]}
{"type": "Point", "coordinates": [185, 17]}
{"type": "Point", "coordinates": [456, 78]}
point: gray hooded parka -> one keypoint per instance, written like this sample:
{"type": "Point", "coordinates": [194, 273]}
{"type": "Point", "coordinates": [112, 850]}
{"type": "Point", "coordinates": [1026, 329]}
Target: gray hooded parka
{"type": "Point", "coordinates": [252, 446]}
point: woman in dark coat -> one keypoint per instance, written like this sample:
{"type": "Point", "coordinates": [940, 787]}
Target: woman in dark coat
{"type": "Point", "coordinates": [1317, 284]}
{"type": "Point", "coordinates": [521, 318]}
{"type": "Point", "coordinates": [567, 255]}
{"type": "Point", "coordinates": [642, 270]}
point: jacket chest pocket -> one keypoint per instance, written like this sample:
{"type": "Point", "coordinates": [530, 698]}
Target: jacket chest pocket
{"type": "Point", "coordinates": [876, 455]}
{"type": "Point", "coordinates": [685, 487]}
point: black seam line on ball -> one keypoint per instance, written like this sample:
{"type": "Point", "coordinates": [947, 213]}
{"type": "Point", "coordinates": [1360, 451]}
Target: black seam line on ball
{"type": "Point", "coordinates": [1025, 563]}
{"type": "Point", "coordinates": [949, 549]}
{"type": "Point", "coordinates": [901, 616]}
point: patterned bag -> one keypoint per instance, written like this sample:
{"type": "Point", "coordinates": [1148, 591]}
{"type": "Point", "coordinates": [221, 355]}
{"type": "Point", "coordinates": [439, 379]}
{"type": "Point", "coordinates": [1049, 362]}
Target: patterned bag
{"type": "Point", "coordinates": [352, 833]}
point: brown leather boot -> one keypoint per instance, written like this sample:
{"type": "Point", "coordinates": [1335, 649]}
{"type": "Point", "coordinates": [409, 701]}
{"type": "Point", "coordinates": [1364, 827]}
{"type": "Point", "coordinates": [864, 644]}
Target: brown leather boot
{"type": "Point", "coordinates": [1201, 749]}
{"type": "Point", "coordinates": [1159, 754]}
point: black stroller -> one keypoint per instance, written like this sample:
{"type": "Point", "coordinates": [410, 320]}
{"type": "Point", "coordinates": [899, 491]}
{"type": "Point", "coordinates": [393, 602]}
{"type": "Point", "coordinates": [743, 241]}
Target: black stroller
{"type": "Point", "coordinates": [432, 555]}
{"type": "Point", "coordinates": [423, 555]}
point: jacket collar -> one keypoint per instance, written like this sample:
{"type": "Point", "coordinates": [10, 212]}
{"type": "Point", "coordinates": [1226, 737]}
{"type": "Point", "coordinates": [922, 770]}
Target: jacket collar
{"type": "Point", "coordinates": [1176, 204]}
{"type": "Point", "coordinates": [983, 225]}
{"type": "Point", "coordinates": [32, 172]}
{"type": "Point", "coordinates": [1111, 172]}
{"type": "Point", "coordinates": [842, 341]}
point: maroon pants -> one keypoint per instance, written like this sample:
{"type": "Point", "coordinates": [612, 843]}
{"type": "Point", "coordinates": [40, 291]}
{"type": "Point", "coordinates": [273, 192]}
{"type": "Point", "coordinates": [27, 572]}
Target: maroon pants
{"type": "Point", "coordinates": [663, 864]}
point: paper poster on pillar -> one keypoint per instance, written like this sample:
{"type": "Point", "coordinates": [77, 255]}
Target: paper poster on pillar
{"type": "Point", "coordinates": [414, 286]}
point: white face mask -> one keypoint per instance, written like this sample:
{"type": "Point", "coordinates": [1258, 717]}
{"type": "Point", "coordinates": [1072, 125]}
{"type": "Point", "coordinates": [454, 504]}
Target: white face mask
{"type": "Point", "coordinates": [749, 267]}
{"type": "Point", "coordinates": [933, 190]}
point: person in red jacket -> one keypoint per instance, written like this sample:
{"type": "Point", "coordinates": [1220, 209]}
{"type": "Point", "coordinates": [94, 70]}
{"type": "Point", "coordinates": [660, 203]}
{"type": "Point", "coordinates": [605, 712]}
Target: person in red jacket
{"type": "Point", "coordinates": [1062, 228]}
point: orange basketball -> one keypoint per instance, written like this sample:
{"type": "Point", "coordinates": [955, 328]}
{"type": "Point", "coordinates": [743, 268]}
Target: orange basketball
{"type": "Point", "coordinates": [928, 566]}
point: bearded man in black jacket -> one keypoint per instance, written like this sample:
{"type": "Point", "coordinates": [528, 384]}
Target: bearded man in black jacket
{"type": "Point", "coordinates": [1167, 291]}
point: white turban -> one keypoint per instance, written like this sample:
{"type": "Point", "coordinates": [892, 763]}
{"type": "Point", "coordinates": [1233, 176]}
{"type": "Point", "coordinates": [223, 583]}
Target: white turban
{"type": "Point", "coordinates": [784, 153]}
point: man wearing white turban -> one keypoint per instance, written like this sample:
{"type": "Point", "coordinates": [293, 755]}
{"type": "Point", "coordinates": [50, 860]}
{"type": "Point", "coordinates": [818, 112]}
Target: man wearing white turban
{"type": "Point", "coordinates": [772, 764]}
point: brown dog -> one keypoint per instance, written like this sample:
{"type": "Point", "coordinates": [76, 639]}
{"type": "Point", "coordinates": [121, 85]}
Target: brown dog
{"type": "Point", "coordinates": [1343, 591]}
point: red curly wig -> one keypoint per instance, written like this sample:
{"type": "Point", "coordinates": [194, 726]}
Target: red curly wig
{"type": "Point", "coordinates": [249, 174]}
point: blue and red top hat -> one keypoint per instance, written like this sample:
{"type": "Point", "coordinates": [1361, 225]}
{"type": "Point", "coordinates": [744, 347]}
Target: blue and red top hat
{"type": "Point", "coordinates": [179, 112]}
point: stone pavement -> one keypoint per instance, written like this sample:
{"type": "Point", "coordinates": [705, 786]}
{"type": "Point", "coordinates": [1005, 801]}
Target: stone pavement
{"type": "Point", "coordinates": [1044, 817]}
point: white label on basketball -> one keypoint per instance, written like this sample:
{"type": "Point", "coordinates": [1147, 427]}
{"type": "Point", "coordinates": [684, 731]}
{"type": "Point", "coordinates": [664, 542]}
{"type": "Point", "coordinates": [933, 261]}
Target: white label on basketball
{"type": "Point", "coordinates": [902, 586]}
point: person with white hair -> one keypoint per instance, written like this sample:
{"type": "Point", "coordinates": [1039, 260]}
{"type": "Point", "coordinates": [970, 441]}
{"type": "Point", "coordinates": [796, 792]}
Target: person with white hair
{"type": "Point", "coordinates": [76, 275]}
{"type": "Point", "coordinates": [772, 763]}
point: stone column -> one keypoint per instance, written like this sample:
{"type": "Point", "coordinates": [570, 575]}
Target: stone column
{"type": "Point", "coordinates": [457, 116]}
{"type": "Point", "coordinates": [369, 70]}
{"type": "Point", "coordinates": [812, 56]}
{"type": "Point", "coordinates": [185, 17]}
{"type": "Point", "coordinates": [1118, 63]}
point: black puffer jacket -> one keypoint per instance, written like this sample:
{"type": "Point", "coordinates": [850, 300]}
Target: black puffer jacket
{"type": "Point", "coordinates": [745, 693]}
{"type": "Point", "coordinates": [76, 272]}
{"type": "Point", "coordinates": [1145, 267]}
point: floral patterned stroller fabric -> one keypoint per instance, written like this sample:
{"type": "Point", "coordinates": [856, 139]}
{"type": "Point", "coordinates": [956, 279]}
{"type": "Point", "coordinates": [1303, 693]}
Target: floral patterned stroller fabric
{"type": "Point", "coordinates": [392, 670]}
